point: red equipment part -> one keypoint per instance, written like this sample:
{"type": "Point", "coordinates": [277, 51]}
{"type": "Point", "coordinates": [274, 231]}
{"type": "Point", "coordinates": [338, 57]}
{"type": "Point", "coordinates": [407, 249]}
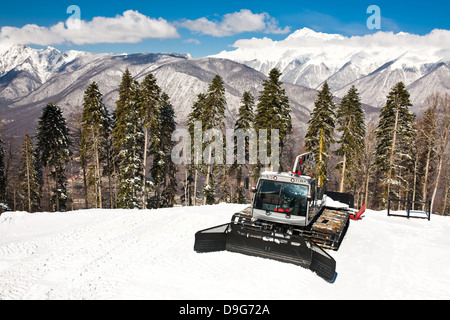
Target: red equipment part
{"type": "Point", "coordinates": [357, 216]}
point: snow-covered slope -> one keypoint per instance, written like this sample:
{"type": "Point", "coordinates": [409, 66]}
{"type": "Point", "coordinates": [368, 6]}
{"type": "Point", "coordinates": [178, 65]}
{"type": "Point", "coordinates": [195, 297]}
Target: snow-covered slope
{"type": "Point", "coordinates": [372, 63]}
{"type": "Point", "coordinates": [131, 254]}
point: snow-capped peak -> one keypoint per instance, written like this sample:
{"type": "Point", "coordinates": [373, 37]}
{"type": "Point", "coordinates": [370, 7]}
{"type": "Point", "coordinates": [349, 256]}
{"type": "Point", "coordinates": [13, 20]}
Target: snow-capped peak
{"type": "Point", "coordinates": [309, 33]}
{"type": "Point", "coordinates": [308, 57]}
{"type": "Point", "coordinates": [13, 56]}
{"type": "Point", "coordinates": [42, 62]}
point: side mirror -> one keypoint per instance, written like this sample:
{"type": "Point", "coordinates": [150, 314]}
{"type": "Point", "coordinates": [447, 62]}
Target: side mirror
{"type": "Point", "coordinates": [246, 183]}
{"type": "Point", "coordinates": [253, 189]}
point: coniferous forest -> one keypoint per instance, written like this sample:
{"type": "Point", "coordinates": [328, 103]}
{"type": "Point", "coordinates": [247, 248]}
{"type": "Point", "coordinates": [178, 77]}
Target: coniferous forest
{"type": "Point", "coordinates": [97, 159]}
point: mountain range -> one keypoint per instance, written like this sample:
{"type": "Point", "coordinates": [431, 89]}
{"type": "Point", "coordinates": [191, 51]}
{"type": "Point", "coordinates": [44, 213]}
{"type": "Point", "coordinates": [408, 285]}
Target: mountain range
{"type": "Point", "coordinates": [373, 64]}
{"type": "Point", "coordinates": [30, 78]}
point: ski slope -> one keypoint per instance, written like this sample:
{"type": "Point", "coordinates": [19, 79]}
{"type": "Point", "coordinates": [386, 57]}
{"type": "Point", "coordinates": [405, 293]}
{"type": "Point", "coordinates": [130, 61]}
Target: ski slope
{"type": "Point", "coordinates": [134, 254]}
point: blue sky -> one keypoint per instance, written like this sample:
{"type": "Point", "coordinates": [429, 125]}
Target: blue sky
{"type": "Point", "coordinates": [207, 27]}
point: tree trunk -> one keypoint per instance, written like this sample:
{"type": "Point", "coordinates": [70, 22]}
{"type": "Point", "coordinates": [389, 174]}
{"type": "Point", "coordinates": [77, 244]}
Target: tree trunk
{"type": "Point", "coordinates": [110, 174]}
{"type": "Point", "coordinates": [444, 207]}
{"type": "Point", "coordinates": [425, 180]}
{"type": "Point", "coordinates": [98, 179]}
{"type": "Point", "coordinates": [320, 181]}
{"type": "Point", "coordinates": [185, 185]}
{"type": "Point", "coordinates": [209, 172]}
{"type": "Point", "coordinates": [57, 191]}
{"type": "Point", "coordinates": [368, 152]}
{"type": "Point", "coordinates": [84, 168]}
{"type": "Point", "coordinates": [436, 184]}
{"type": "Point", "coordinates": [207, 181]}
{"type": "Point", "coordinates": [341, 188]}
{"type": "Point", "coordinates": [28, 179]}
{"type": "Point", "coordinates": [144, 165]}
{"type": "Point", "coordinates": [415, 180]}
{"type": "Point", "coordinates": [195, 185]}
{"type": "Point", "coordinates": [391, 159]}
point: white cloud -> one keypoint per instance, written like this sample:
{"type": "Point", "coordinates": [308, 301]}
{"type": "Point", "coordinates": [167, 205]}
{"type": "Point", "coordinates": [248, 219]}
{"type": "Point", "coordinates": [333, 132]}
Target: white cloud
{"type": "Point", "coordinates": [368, 51]}
{"type": "Point", "coordinates": [130, 27]}
{"type": "Point", "coordinates": [234, 23]}
{"type": "Point", "coordinates": [307, 38]}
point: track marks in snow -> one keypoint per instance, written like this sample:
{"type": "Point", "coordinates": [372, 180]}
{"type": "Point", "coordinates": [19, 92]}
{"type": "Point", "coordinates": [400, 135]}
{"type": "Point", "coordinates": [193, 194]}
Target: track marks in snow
{"type": "Point", "coordinates": [127, 254]}
{"type": "Point", "coordinates": [83, 263]}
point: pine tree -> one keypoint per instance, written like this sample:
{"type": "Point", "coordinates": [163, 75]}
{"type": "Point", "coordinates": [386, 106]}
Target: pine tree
{"type": "Point", "coordinates": [128, 141]}
{"type": "Point", "coordinates": [273, 112]}
{"type": "Point", "coordinates": [168, 126]}
{"type": "Point", "coordinates": [96, 128]}
{"type": "Point", "coordinates": [28, 177]}
{"type": "Point", "coordinates": [394, 135]}
{"type": "Point", "coordinates": [150, 114]}
{"type": "Point", "coordinates": [213, 118]}
{"type": "Point", "coordinates": [245, 113]}
{"type": "Point", "coordinates": [351, 124]}
{"type": "Point", "coordinates": [214, 111]}
{"type": "Point", "coordinates": [53, 147]}
{"type": "Point", "coordinates": [320, 133]}
{"type": "Point", "coordinates": [193, 170]}
{"type": "Point", "coordinates": [244, 122]}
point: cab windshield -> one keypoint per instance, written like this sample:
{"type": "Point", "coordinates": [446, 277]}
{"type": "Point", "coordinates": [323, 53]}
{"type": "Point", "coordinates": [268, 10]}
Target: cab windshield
{"type": "Point", "coordinates": [282, 197]}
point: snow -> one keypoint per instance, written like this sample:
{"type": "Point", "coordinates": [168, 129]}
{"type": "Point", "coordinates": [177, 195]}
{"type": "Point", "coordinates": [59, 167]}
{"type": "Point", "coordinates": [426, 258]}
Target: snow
{"type": "Point", "coordinates": [148, 254]}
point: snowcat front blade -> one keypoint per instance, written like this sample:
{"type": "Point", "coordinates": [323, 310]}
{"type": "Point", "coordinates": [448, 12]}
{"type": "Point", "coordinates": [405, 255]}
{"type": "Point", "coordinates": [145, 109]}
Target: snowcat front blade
{"type": "Point", "coordinates": [211, 239]}
{"type": "Point", "coordinates": [282, 247]}
{"type": "Point", "coordinates": [263, 243]}
{"type": "Point", "coordinates": [254, 241]}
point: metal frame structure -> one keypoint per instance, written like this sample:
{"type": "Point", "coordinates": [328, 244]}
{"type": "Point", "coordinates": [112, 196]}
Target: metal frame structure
{"type": "Point", "coordinates": [409, 204]}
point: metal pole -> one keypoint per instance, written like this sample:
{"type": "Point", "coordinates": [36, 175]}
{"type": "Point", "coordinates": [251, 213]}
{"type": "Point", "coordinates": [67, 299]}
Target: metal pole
{"type": "Point", "coordinates": [389, 207]}
{"type": "Point", "coordinates": [429, 210]}
{"type": "Point", "coordinates": [408, 206]}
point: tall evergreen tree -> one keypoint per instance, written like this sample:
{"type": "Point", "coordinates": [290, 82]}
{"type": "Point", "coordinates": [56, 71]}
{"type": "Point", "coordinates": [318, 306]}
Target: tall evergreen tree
{"type": "Point", "coordinates": [192, 171]}
{"type": "Point", "coordinates": [128, 141]}
{"type": "Point", "coordinates": [394, 135]}
{"type": "Point", "coordinates": [96, 128]}
{"type": "Point", "coordinates": [28, 177]}
{"type": "Point", "coordinates": [53, 147]}
{"type": "Point", "coordinates": [168, 126]}
{"type": "Point", "coordinates": [320, 133]}
{"type": "Point", "coordinates": [214, 110]}
{"type": "Point", "coordinates": [351, 124]}
{"type": "Point", "coordinates": [245, 113]}
{"type": "Point", "coordinates": [150, 114]}
{"type": "Point", "coordinates": [213, 118]}
{"type": "Point", "coordinates": [244, 122]}
{"type": "Point", "coordinates": [273, 111]}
